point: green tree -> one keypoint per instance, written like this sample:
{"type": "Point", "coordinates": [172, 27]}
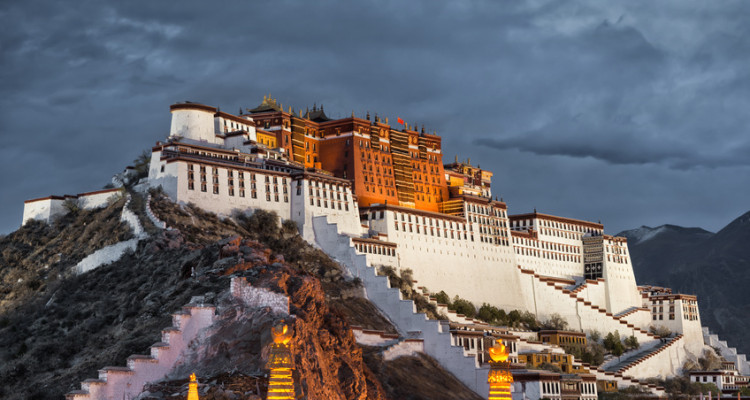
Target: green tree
{"type": "Point", "coordinates": [618, 349]}
{"type": "Point", "coordinates": [595, 336]}
{"type": "Point", "coordinates": [631, 343]}
{"type": "Point", "coordinates": [443, 298]}
{"type": "Point", "coordinates": [611, 339]}
{"type": "Point", "coordinates": [492, 314]}
{"type": "Point", "coordinates": [529, 319]}
{"type": "Point", "coordinates": [514, 318]}
{"type": "Point", "coordinates": [464, 307]}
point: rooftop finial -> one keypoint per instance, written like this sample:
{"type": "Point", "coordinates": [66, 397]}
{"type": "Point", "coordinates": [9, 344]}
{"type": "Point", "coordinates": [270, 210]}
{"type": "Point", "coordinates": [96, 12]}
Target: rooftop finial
{"type": "Point", "coordinates": [368, 115]}
{"type": "Point", "coordinates": [377, 119]}
{"type": "Point", "coordinates": [422, 128]}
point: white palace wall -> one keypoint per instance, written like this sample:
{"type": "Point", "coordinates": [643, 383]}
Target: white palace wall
{"type": "Point", "coordinates": [622, 291]}
{"type": "Point", "coordinates": [478, 272]}
{"type": "Point", "coordinates": [299, 198]}
{"type": "Point", "coordinates": [194, 124]}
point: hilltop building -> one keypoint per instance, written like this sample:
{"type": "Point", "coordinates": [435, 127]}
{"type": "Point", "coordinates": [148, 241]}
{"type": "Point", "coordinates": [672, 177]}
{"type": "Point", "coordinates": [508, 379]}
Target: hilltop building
{"type": "Point", "coordinates": [360, 186]}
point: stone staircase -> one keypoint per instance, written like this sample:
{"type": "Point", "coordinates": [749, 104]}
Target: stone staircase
{"type": "Point", "coordinates": [586, 308]}
{"type": "Point", "coordinates": [632, 358]}
{"type": "Point", "coordinates": [434, 334]}
{"type": "Point", "coordinates": [630, 365]}
{"type": "Point", "coordinates": [127, 382]}
{"type": "Point", "coordinates": [730, 353]}
{"type": "Point", "coordinates": [623, 381]}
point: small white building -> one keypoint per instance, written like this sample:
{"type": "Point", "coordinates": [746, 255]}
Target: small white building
{"type": "Point", "coordinates": [48, 208]}
{"type": "Point", "coordinates": [535, 385]}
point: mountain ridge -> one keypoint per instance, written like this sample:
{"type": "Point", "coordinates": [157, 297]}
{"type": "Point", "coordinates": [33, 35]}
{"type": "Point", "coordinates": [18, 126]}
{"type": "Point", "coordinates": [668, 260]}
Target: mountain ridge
{"type": "Point", "coordinates": [708, 265]}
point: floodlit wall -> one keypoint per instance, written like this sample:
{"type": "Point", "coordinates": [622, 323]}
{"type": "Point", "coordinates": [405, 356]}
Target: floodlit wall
{"type": "Point", "coordinates": [478, 272]}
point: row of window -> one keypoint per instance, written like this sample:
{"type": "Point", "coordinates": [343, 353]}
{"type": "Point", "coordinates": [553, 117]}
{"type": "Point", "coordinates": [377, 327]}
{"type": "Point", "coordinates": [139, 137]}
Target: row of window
{"type": "Point", "coordinates": [523, 251]}
{"type": "Point", "coordinates": [563, 248]}
{"type": "Point", "coordinates": [486, 210]}
{"type": "Point", "coordinates": [432, 231]}
{"type": "Point", "coordinates": [253, 193]}
{"type": "Point", "coordinates": [375, 249]}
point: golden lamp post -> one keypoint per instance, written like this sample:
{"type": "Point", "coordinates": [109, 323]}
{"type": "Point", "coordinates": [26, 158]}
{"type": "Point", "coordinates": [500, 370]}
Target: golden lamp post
{"type": "Point", "coordinates": [280, 382]}
{"type": "Point", "coordinates": [499, 376]}
{"type": "Point", "coordinates": [192, 388]}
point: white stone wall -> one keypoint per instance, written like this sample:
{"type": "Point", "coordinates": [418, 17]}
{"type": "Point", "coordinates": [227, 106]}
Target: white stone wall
{"type": "Point", "coordinates": [622, 291]}
{"type": "Point", "coordinates": [730, 353]}
{"type": "Point", "coordinates": [43, 209]}
{"type": "Point", "coordinates": [334, 202]}
{"type": "Point", "coordinates": [594, 292]}
{"type": "Point", "coordinates": [408, 347]}
{"type": "Point", "coordinates": [113, 252]}
{"type": "Point", "coordinates": [165, 175]}
{"type": "Point", "coordinates": [666, 363]}
{"type": "Point", "coordinates": [127, 382]}
{"type": "Point", "coordinates": [402, 313]}
{"type": "Point", "coordinates": [534, 391]}
{"type": "Point", "coordinates": [479, 272]}
{"type": "Point", "coordinates": [640, 318]}
{"type": "Point", "coordinates": [89, 201]}
{"type": "Point", "coordinates": [48, 208]}
{"type": "Point", "coordinates": [193, 124]}
{"type": "Point", "coordinates": [259, 297]}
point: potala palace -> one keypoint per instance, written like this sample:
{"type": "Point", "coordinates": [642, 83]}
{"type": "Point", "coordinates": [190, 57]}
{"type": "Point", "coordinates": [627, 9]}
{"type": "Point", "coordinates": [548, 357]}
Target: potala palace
{"type": "Point", "coordinates": [373, 194]}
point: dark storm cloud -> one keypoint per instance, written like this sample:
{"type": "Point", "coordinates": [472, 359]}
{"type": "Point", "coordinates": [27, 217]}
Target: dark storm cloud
{"type": "Point", "coordinates": [541, 92]}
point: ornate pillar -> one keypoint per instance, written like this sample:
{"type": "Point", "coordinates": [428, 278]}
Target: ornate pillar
{"type": "Point", "coordinates": [192, 388]}
{"type": "Point", "coordinates": [499, 377]}
{"type": "Point", "coordinates": [280, 381]}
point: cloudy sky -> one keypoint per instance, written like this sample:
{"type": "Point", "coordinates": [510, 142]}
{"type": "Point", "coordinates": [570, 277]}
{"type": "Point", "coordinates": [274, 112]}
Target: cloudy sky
{"type": "Point", "coordinates": [631, 112]}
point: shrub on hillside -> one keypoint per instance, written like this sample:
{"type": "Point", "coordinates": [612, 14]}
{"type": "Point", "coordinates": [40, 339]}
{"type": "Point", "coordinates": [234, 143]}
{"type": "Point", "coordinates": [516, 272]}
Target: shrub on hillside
{"type": "Point", "coordinates": [555, 322]}
{"type": "Point", "coordinates": [464, 307]}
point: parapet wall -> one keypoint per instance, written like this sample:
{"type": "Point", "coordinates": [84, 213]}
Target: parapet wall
{"type": "Point", "coordinates": [258, 297]}
{"type": "Point", "coordinates": [127, 382]}
{"type": "Point", "coordinates": [113, 252]}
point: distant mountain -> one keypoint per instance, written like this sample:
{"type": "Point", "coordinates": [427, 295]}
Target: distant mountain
{"type": "Point", "coordinates": [713, 266]}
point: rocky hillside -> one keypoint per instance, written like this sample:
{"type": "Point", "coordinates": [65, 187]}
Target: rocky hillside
{"type": "Point", "coordinates": [69, 326]}
{"type": "Point", "coordinates": [39, 255]}
{"type": "Point", "coordinates": [714, 266]}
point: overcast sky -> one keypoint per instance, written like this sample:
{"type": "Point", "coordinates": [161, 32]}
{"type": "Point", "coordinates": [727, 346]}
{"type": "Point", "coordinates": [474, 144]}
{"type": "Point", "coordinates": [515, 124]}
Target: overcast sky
{"type": "Point", "coordinates": [632, 112]}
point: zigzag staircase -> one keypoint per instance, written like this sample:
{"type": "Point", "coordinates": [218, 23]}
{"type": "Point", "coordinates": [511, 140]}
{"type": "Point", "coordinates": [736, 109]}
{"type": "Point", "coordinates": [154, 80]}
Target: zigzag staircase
{"type": "Point", "coordinates": [645, 337]}
{"type": "Point", "coordinates": [127, 382]}
{"type": "Point", "coordinates": [402, 313]}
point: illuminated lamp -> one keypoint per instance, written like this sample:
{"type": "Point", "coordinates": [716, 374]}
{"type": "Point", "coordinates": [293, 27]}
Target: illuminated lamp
{"type": "Point", "coordinates": [499, 376]}
{"type": "Point", "coordinates": [192, 388]}
{"type": "Point", "coordinates": [280, 381]}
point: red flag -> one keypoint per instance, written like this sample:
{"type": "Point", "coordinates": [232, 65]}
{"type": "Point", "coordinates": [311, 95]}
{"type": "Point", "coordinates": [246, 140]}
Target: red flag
{"type": "Point", "coordinates": [399, 120]}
